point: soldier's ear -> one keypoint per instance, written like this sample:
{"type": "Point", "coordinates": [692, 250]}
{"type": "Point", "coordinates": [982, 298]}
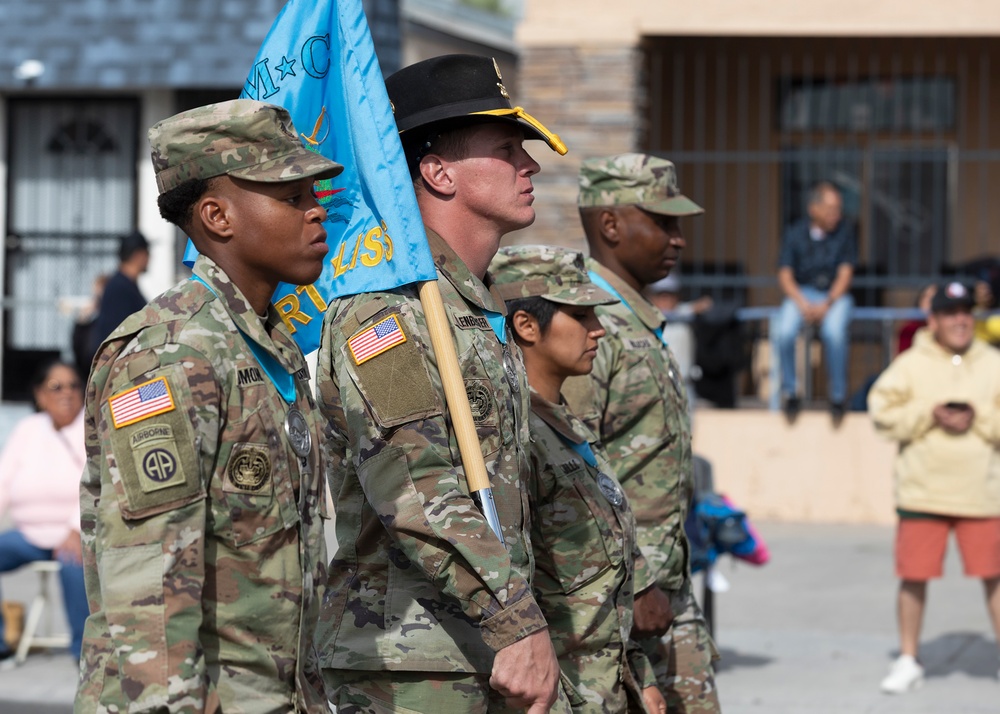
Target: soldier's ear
{"type": "Point", "coordinates": [609, 223]}
{"type": "Point", "coordinates": [437, 176]}
{"type": "Point", "coordinates": [212, 211]}
{"type": "Point", "coordinates": [526, 328]}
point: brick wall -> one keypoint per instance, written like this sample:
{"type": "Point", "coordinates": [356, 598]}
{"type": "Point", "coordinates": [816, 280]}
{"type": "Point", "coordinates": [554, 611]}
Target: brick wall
{"type": "Point", "coordinates": [592, 98]}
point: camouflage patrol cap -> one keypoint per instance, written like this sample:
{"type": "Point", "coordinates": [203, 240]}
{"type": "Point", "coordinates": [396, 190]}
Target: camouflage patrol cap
{"type": "Point", "coordinates": [634, 180]}
{"type": "Point", "coordinates": [243, 138]}
{"type": "Point", "coordinates": [545, 271]}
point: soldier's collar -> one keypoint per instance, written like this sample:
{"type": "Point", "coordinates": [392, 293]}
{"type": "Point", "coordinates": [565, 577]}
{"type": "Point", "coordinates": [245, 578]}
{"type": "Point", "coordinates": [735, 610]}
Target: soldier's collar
{"type": "Point", "coordinates": [647, 313]}
{"type": "Point", "coordinates": [557, 416]}
{"type": "Point", "coordinates": [272, 336]}
{"type": "Point", "coordinates": [481, 293]}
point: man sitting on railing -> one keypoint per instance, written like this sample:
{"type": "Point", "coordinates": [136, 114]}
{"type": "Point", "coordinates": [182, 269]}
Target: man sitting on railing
{"type": "Point", "coordinates": [816, 266]}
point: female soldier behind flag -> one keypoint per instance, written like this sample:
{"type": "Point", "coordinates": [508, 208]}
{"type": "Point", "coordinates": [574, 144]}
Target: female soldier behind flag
{"type": "Point", "coordinates": [583, 531]}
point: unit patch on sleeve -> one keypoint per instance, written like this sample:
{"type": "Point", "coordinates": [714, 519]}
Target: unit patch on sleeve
{"type": "Point", "coordinates": [141, 402]}
{"type": "Point", "coordinates": [376, 339]}
{"type": "Point", "coordinates": [154, 450]}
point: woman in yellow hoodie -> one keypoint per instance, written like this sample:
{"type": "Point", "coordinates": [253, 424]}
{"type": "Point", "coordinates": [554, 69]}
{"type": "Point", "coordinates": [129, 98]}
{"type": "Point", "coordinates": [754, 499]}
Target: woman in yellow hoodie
{"type": "Point", "coordinates": [940, 401]}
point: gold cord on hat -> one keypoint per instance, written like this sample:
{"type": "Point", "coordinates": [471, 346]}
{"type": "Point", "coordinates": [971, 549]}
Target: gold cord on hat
{"type": "Point", "coordinates": [553, 139]}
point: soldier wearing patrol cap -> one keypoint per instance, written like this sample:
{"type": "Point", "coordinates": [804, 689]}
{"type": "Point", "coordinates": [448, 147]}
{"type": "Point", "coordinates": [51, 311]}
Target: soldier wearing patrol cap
{"type": "Point", "coordinates": [582, 530]}
{"type": "Point", "coordinates": [426, 609]}
{"type": "Point", "coordinates": [635, 402]}
{"type": "Point", "coordinates": [203, 544]}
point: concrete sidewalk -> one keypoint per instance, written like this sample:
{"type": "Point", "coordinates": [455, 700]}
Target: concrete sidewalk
{"type": "Point", "coordinates": [812, 631]}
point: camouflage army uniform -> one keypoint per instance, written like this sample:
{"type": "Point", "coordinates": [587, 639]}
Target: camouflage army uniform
{"type": "Point", "coordinates": [203, 544]}
{"type": "Point", "coordinates": [419, 583]}
{"type": "Point", "coordinates": [585, 552]}
{"type": "Point", "coordinates": [634, 400]}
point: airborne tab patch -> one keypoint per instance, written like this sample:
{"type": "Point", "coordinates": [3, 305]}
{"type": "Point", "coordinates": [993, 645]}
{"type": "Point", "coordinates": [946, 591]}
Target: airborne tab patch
{"type": "Point", "coordinates": [154, 450]}
{"type": "Point", "coordinates": [141, 402]}
{"type": "Point", "coordinates": [376, 339]}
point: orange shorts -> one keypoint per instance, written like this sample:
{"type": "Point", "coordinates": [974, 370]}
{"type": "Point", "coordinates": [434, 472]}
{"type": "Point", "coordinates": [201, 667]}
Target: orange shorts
{"type": "Point", "coordinates": [921, 545]}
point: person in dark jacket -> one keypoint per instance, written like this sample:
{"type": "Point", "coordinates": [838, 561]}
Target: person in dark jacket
{"type": "Point", "coordinates": [815, 270]}
{"type": "Point", "coordinates": [121, 294]}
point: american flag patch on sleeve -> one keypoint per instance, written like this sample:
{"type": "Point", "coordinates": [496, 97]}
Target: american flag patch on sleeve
{"type": "Point", "coordinates": [376, 339]}
{"type": "Point", "coordinates": [141, 402]}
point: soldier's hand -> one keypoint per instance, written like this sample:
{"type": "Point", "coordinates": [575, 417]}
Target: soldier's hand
{"type": "Point", "coordinates": [654, 701]}
{"type": "Point", "coordinates": [526, 673]}
{"type": "Point", "coordinates": [652, 613]}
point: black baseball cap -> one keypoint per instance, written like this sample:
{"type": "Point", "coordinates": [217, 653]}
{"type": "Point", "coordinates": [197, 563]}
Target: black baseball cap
{"type": "Point", "coordinates": [455, 90]}
{"type": "Point", "coordinates": [952, 295]}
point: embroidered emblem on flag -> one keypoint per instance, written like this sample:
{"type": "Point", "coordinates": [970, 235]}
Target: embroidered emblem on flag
{"type": "Point", "coordinates": [376, 339]}
{"type": "Point", "coordinates": [146, 400]}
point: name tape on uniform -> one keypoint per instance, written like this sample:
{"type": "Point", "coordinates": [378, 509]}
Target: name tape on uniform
{"type": "Point", "coordinates": [375, 340]}
{"type": "Point", "coordinates": [141, 402]}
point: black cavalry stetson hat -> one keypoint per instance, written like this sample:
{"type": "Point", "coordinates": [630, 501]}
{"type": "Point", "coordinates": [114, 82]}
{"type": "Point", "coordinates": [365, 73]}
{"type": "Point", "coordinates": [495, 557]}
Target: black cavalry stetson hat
{"type": "Point", "coordinates": [441, 90]}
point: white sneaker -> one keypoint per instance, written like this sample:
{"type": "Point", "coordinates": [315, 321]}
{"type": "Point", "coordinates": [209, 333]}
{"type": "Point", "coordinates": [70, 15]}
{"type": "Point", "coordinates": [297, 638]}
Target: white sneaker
{"type": "Point", "coordinates": [904, 675]}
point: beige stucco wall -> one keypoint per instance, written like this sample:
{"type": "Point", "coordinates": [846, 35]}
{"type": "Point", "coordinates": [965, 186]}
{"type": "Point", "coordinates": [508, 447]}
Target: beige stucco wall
{"type": "Point", "coordinates": [597, 22]}
{"type": "Point", "coordinates": [806, 473]}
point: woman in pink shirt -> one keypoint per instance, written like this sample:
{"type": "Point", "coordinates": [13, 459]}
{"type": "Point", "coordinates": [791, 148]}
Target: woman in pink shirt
{"type": "Point", "coordinates": [40, 469]}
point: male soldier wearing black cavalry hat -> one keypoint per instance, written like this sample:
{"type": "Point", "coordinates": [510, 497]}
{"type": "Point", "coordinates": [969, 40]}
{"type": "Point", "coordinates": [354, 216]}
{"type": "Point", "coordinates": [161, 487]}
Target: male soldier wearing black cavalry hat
{"type": "Point", "coordinates": [427, 610]}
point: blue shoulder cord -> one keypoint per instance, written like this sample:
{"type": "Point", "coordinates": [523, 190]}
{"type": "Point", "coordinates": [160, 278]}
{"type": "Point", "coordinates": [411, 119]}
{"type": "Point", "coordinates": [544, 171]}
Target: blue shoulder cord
{"type": "Point", "coordinates": [498, 323]}
{"type": "Point", "coordinates": [602, 283]}
{"type": "Point", "coordinates": [281, 379]}
{"type": "Point", "coordinates": [583, 449]}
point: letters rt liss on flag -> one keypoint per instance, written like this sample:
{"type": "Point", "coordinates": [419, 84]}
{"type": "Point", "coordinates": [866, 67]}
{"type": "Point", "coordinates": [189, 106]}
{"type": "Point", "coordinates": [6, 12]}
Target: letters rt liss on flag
{"type": "Point", "coordinates": [318, 61]}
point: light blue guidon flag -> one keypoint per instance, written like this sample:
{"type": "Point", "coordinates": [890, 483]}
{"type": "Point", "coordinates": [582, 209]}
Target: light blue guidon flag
{"type": "Point", "coordinates": [318, 61]}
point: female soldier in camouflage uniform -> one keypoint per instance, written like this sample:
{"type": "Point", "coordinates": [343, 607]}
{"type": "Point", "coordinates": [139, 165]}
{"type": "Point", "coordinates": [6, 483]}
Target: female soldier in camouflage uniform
{"type": "Point", "coordinates": [583, 532]}
{"type": "Point", "coordinates": [203, 545]}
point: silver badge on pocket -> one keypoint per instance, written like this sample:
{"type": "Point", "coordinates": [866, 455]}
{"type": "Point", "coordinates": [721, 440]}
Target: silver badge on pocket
{"type": "Point", "coordinates": [297, 430]}
{"type": "Point", "coordinates": [611, 490]}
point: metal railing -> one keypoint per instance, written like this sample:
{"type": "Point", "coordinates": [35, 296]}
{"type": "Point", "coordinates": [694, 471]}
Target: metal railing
{"type": "Point", "coordinates": [902, 127]}
{"type": "Point", "coordinates": [873, 329]}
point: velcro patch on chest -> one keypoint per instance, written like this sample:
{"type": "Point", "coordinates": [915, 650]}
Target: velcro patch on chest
{"type": "Point", "coordinates": [141, 402]}
{"type": "Point", "coordinates": [374, 340]}
{"type": "Point", "coordinates": [571, 466]}
{"type": "Point", "coordinates": [643, 343]}
{"type": "Point", "coordinates": [245, 376]}
{"type": "Point", "coordinates": [480, 400]}
{"type": "Point", "coordinates": [248, 469]}
{"type": "Point", "coordinates": [472, 322]}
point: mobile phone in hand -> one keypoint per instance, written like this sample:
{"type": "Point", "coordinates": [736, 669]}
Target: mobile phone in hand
{"type": "Point", "coordinates": [958, 406]}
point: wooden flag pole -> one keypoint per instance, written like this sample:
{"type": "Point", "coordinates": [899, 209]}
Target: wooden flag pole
{"type": "Point", "coordinates": [458, 404]}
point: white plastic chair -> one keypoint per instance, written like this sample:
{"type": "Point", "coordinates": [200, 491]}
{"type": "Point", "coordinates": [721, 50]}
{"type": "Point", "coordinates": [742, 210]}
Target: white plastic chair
{"type": "Point", "coordinates": [32, 637]}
